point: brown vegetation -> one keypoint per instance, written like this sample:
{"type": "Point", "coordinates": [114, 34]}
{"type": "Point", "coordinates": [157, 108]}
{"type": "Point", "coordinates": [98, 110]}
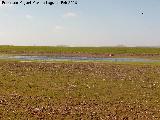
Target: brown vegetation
{"type": "Point", "coordinates": [99, 91]}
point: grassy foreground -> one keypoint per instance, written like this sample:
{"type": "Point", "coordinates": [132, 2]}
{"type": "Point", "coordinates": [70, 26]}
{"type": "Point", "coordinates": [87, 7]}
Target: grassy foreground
{"type": "Point", "coordinates": [79, 51]}
{"type": "Point", "coordinates": [96, 91]}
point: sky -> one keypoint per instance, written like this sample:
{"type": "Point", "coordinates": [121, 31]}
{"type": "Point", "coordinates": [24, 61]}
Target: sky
{"type": "Point", "coordinates": [88, 23]}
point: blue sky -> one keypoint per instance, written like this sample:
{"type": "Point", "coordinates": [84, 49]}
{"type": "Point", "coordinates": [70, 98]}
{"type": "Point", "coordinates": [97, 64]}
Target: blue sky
{"type": "Point", "coordinates": [90, 23]}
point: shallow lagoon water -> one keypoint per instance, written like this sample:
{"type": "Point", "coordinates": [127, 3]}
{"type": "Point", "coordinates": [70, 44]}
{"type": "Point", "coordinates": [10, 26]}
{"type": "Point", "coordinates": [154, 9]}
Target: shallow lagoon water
{"type": "Point", "coordinates": [60, 58]}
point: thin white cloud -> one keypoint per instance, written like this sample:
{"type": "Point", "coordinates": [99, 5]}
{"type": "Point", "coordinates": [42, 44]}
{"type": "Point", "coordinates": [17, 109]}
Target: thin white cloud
{"type": "Point", "coordinates": [58, 28]}
{"type": "Point", "coordinates": [70, 14]}
{"type": "Point", "coordinates": [28, 16]}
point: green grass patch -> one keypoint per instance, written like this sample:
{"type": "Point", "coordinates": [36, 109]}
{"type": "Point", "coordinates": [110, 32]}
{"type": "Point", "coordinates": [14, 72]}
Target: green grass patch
{"type": "Point", "coordinates": [92, 50]}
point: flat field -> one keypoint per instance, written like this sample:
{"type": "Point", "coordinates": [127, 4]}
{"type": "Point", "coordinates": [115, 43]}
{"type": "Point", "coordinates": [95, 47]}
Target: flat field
{"type": "Point", "coordinates": [81, 51]}
{"type": "Point", "coordinates": [98, 91]}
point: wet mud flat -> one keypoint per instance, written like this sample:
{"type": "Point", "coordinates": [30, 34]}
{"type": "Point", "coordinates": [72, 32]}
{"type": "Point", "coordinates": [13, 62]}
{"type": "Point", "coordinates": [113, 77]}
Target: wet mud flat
{"type": "Point", "coordinates": [35, 90]}
{"type": "Point", "coordinates": [79, 54]}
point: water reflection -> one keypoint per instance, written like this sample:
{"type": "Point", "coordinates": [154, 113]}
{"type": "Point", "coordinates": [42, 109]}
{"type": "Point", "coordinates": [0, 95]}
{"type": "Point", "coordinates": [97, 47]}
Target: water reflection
{"type": "Point", "coordinates": [60, 58]}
